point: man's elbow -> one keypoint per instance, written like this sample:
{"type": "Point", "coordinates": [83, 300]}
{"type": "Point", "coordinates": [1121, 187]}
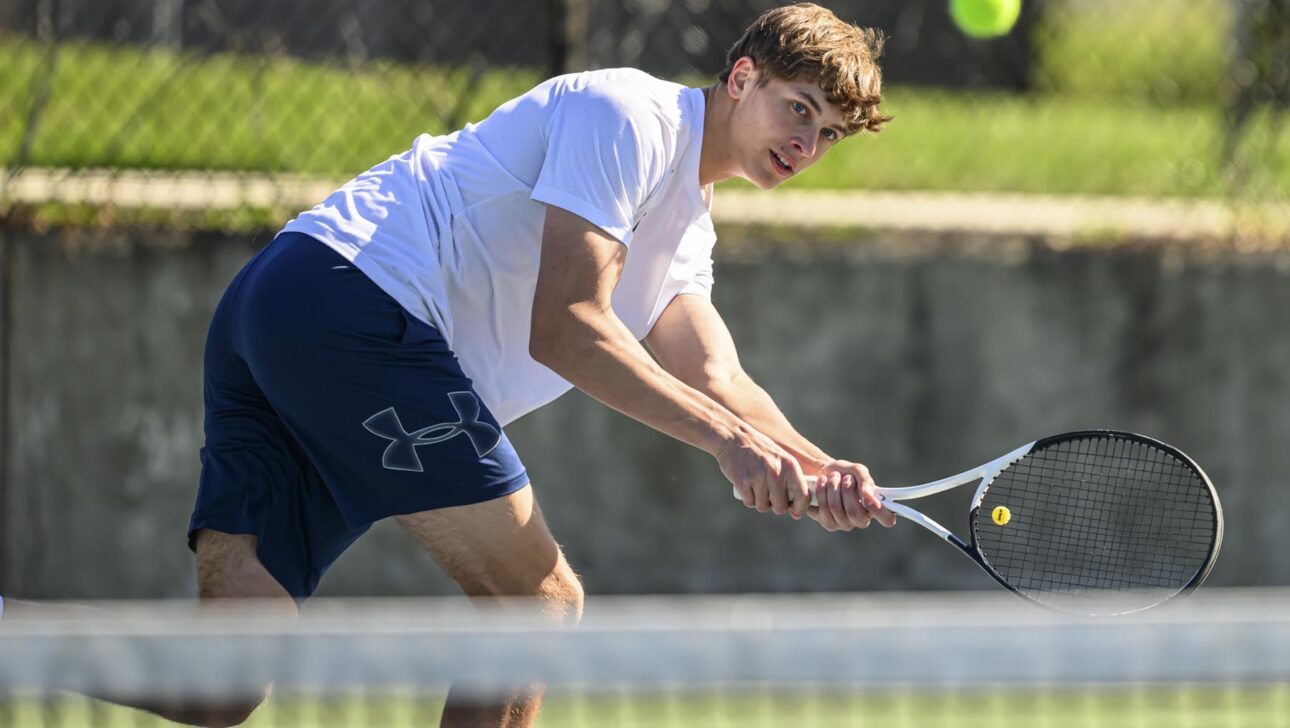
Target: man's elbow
{"type": "Point", "coordinates": [563, 336]}
{"type": "Point", "coordinates": [542, 342]}
{"type": "Point", "coordinates": [722, 383]}
{"type": "Point", "coordinates": [548, 337]}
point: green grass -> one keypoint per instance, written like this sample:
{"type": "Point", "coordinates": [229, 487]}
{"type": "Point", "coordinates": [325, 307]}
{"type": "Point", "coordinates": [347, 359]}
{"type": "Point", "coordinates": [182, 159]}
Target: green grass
{"type": "Point", "coordinates": [1127, 106]}
{"type": "Point", "coordinates": [126, 107]}
{"type": "Point", "coordinates": [1266, 706]}
{"type": "Point", "coordinates": [1167, 51]}
{"type": "Point", "coordinates": [1052, 144]}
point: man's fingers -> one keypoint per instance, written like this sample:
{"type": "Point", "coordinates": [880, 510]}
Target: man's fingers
{"type": "Point", "coordinates": [823, 514]}
{"type": "Point", "coordinates": [855, 508]}
{"type": "Point", "coordinates": [876, 506]}
{"type": "Point", "coordinates": [837, 494]}
{"type": "Point", "coordinates": [778, 493]}
{"type": "Point", "coordinates": [763, 495]}
{"type": "Point", "coordinates": [869, 498]}
{"type": "Point", "coordinates": [845, 498]}
{"type": "Point", "coordinates": [884, 515]}
{"type": "Point", "coordinates": [799, 489]}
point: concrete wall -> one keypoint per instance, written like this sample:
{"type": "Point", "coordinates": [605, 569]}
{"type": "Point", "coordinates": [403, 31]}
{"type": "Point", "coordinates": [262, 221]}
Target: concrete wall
{"type": "Point", "coordinates": [918, 356]}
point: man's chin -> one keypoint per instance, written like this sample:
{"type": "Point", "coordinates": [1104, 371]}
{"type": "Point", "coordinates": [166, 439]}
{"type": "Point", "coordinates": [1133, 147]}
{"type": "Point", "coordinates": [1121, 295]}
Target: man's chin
{"type": "Point", "coordinates": [767, 183]}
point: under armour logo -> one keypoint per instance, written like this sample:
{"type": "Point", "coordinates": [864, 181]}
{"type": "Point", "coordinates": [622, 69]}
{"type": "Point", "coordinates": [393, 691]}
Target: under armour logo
{"type": "Point", "coordinates": [402, 451]}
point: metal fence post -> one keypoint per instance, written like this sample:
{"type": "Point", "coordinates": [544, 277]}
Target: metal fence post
{"type": "Point", "coordinates": [566, 36]}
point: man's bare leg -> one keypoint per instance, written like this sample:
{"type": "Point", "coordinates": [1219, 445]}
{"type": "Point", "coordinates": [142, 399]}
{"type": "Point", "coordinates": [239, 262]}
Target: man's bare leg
{"type": "Point", "coordinates": [227, 568]}
{"type": "Point", "coordinates": [497, 549]}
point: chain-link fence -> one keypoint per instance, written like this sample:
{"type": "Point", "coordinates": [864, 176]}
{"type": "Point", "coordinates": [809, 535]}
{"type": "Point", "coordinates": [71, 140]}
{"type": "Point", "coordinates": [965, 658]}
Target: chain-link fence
{"type": "Point", "coordinates": [1156, 98]}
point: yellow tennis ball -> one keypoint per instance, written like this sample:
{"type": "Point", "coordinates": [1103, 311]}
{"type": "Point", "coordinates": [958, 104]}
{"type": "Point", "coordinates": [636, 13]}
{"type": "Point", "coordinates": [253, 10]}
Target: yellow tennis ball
{"type": "Point", "coordinates": [985, 18]}
{"type": "Point", "coordinates": [1001, 515]}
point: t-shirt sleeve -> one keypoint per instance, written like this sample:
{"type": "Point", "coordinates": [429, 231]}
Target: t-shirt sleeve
{"type": "Point", "coordinates": [604, 155]}
{"type": "Point", "coordinates": [691, 267]}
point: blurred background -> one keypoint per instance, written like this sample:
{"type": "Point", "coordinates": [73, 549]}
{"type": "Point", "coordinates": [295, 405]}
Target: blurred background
{"type": "Point", "coordinates": [1082, 225]}
{"type": "Point", "coordinates": [1174, 98]}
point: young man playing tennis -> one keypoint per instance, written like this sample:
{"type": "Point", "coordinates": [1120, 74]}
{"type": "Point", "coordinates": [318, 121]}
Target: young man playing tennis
{"type": "Point", "coordinates": [363, 365]}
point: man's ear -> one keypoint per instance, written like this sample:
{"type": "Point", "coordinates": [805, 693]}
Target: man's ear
{"type": "Point", "coordinates": [743, 77]}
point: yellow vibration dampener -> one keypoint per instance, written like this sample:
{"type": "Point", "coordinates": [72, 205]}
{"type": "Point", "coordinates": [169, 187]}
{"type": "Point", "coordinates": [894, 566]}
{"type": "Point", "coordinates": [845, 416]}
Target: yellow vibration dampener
{"type": "Point", "coordinates": [1001, 515]}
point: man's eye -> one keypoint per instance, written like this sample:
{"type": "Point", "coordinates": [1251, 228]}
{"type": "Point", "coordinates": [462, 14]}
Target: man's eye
{"type": "Point", "coordinates": [799, 107]}
{"type": "Point", "coordinates": [830, 135]}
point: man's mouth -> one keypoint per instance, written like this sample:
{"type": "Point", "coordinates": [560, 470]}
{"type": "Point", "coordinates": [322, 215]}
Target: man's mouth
{"type": "Point", "coordinates": [780, 163]}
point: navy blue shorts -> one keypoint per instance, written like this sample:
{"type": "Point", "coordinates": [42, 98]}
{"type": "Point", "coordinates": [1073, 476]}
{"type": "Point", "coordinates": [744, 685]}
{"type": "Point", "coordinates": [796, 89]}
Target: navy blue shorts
{"type": "Point", "coordinates": [330, 407]}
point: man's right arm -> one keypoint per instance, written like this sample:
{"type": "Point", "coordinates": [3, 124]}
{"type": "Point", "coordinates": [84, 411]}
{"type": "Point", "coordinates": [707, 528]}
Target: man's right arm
{"type": "Point", "coordinates": [576, 334]}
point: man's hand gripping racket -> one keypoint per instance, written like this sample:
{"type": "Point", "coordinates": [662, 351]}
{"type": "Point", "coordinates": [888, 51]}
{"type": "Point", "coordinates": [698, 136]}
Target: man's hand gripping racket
{"type": "Point", "coordinates": [1093, 522]}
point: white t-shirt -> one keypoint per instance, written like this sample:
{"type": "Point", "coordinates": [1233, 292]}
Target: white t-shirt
{"type": "Point", "coordinates": [452, 228]}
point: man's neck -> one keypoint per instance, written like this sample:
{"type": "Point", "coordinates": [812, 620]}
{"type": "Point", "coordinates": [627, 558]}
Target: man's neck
{"type": "Point", "coordinates": [715, 159]}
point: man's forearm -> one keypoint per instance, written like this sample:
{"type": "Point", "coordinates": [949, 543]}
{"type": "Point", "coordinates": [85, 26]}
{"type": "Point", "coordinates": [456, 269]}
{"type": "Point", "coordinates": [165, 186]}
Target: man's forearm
{"type": "Point", "coordinates": [597, 354]}
{"type": "Point", "coordinates": [752, 404]}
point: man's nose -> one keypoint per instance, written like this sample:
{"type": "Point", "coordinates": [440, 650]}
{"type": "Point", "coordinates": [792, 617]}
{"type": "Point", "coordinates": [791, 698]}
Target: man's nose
{"type": "Point", "coordinates": [804, 145]}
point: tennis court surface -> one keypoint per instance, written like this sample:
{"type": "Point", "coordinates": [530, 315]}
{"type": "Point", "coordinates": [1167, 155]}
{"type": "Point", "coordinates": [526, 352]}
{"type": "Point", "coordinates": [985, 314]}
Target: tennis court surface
{"type": "Point", "coordinates": [1221, 658]}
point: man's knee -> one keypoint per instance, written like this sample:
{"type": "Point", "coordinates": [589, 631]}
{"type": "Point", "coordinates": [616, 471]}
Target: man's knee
{"type": "Point", "coordinates": [558, 593]}
{"type": "Point", "coordinates": [562, 595]}
{"type": "Point", "coordinates": [501, 549]}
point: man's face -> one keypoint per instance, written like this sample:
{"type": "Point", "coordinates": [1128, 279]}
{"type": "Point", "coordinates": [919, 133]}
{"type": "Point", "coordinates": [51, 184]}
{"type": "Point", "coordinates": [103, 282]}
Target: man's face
{"type": "Point", "coordinates": [780, 127]}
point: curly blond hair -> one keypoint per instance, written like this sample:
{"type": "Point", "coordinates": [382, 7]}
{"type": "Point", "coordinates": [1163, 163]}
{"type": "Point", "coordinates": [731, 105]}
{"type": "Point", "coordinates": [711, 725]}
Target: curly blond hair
{"type": "Point", "coordinates": [808, 41]}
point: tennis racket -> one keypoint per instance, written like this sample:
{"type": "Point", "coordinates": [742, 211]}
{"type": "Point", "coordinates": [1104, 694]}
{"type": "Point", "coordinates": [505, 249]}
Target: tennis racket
{"type": "Point", "coordinates": [1096, 522]}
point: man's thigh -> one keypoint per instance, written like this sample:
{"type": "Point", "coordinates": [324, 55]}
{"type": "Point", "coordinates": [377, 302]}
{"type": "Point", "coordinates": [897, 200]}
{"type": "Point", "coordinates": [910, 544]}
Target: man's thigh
{"type": "Point", "coordinates": [228, 568]}
{"type": "Point", "coordinates": [500, 548]}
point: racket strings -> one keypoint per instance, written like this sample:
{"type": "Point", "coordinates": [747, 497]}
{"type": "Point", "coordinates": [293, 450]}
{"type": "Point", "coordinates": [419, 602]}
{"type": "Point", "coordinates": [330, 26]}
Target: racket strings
{"type": "Point", "coordinates": [1097, 519]}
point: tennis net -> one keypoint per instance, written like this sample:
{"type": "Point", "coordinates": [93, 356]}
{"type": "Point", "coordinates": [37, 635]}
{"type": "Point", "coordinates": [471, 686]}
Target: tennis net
{"type": "Point", "coordinates": [1218, 659]}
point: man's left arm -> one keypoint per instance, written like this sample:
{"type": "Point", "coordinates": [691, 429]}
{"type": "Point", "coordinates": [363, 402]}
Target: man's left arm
{"type": "Point", "coordinates": [692, 342]}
